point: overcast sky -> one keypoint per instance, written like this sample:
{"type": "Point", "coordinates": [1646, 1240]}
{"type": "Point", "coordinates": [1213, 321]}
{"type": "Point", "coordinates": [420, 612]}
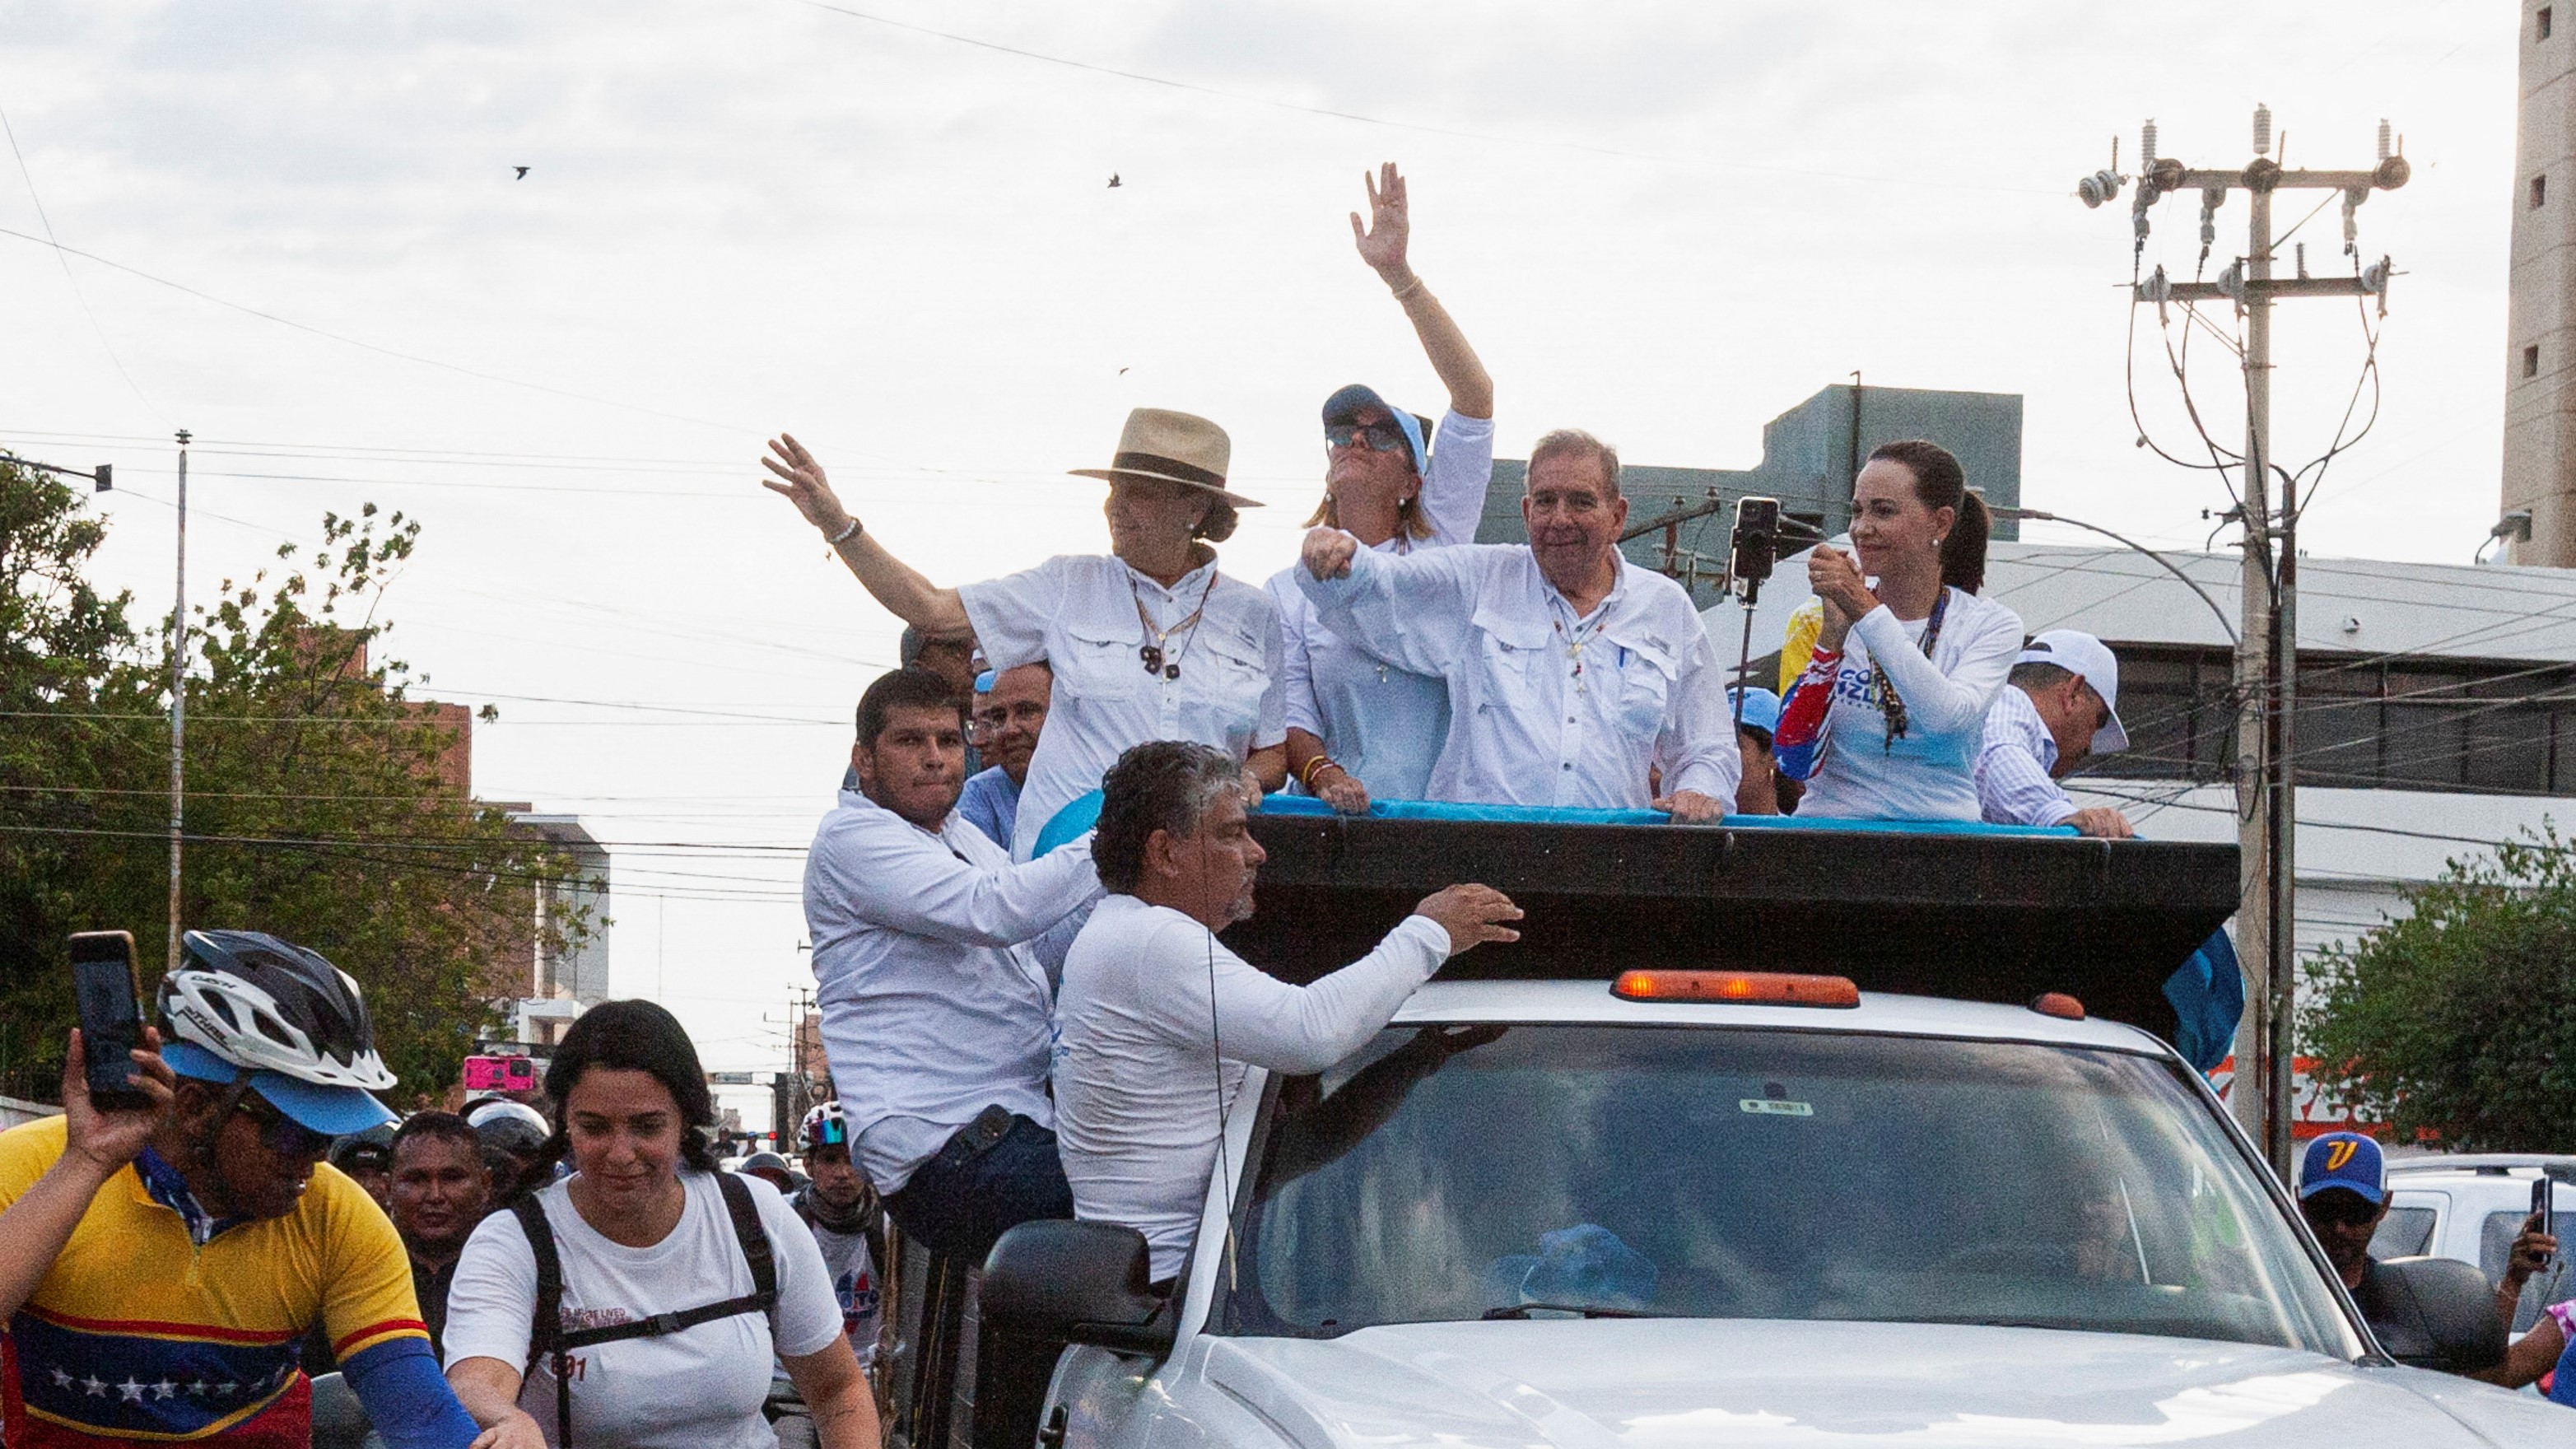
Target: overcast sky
{"type": "Point", "coordinates": [1665, 222]}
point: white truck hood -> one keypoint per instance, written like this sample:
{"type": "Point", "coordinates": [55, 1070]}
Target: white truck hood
{"type": "Point", "coordinates": [1691, 1383]}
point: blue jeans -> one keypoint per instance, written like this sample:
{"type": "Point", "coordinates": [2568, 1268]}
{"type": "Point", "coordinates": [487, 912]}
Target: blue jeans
{"type": "Point", "coordinates": [959, 1201]}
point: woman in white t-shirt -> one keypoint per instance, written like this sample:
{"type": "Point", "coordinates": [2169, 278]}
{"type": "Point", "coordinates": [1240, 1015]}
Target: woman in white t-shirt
{"type": "Point", "coordinates": [1885, 721]}
{"type": "Point", "coordinates": [642, 1228]}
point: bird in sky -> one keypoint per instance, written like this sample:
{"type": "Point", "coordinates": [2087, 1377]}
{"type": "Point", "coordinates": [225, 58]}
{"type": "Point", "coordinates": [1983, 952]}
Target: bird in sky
{"type": "Point", "coordinates": [1113, 178]}
{"type": "Point", "coordinates": [523, 173]}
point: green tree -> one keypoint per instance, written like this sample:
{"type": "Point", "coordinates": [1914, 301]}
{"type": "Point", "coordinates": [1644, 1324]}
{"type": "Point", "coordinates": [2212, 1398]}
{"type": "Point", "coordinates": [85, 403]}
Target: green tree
{"type": "Point", "coordinates": [2460, 1020]}
{"type": "Point", "coordinates": [317, 808]}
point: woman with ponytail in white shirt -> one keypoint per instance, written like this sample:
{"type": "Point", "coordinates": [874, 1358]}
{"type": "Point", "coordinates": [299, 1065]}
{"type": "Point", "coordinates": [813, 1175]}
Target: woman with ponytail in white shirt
{"type": "Point", "coordinates": [1885, 721]}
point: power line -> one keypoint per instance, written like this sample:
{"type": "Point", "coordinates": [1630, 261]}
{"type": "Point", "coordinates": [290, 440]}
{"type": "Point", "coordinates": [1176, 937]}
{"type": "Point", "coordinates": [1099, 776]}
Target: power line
{"type": "Point", "coordinates": [64, 262]}
{"type": "Point", "coordinates": [365, 346]}
{"type": "Point", "coordinates": [1945, 182]}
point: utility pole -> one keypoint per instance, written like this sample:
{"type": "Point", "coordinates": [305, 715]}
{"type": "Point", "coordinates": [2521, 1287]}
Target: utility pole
{"type": "Point", "coordinates": [2266, 663]}
{"type": "Point", "coordinates": [178, 706]}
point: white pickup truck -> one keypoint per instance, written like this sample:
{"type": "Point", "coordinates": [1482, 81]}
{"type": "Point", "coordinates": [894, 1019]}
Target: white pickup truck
{"type": "Point", "coordinates": [1575, 1214]}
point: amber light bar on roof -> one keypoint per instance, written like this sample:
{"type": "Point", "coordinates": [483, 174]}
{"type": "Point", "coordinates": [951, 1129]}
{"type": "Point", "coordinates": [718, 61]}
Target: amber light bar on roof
{"type": "Point", "coordinates": [1740, 988]}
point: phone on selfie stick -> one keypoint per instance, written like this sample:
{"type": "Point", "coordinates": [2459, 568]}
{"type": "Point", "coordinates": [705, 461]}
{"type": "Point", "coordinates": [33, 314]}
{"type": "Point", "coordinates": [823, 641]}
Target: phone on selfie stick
{"type": "Point", "coordinates": [111, 1014]}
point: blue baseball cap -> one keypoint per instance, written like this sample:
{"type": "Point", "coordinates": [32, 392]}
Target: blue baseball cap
{"type": "Point", "coordinates": [331, 1111]}
{"type": "Point", "coordinates": [1761, 709]}
{"type": "Point", "coordinates": [1344, 405]}
{"type": "Point", "coordinates": [2346, 1160]}
{"type": "Point", "coordinates": [984, 682]}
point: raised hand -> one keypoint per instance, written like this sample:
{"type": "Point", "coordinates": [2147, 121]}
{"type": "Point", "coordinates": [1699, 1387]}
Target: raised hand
{"type": "Point", "coordinates": [109, 1137]}
{"type": "Point", "coordinates": [1472, 915]}
{"type": "Point", "coordinates": [804, 484]}
{"type": "Point", "coordinates": [1390, 225]}
{"type": "Point", "coordinates": [1328, 553]}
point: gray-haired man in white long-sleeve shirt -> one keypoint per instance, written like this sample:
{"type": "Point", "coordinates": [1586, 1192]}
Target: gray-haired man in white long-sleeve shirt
{"type": "Point", "coordinates": [1157, 1019]}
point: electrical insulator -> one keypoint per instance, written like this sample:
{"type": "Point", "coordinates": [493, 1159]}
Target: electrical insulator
{"type": "Point", "coordinates": [2231, 282]}
{"type": "Point", "coordinates": [2147, 145]}
{"type": "Point", "coordinates": [2099, 187]}
{"type": "Point", "coordinates": [2210, 200]}
{"type": "Point", "coordinates": [2374, 278]}
{"type": "Point", "coordinates": [2262, 130]}
{"type": "Point", "coordinates": [2156, 288]}
{"type": "Point", "coordinates": [2383, 138]}
{"type": "Point", "coordinates": [2352, 224]}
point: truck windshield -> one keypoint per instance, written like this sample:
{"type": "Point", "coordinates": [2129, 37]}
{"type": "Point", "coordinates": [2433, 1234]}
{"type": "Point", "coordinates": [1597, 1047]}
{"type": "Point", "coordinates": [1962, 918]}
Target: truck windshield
{"type": "Point", "coordinates": [1533, 1170]}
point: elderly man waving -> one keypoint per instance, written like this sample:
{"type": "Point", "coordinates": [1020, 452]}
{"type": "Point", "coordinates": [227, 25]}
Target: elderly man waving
{"type": "Point", "coordinates": [1571, 672]}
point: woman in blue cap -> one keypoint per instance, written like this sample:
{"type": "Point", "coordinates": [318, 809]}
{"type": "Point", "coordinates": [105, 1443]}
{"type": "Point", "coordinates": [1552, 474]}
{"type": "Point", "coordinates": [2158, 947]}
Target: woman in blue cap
{"type": "Point", "coordinates": [1358, 728]}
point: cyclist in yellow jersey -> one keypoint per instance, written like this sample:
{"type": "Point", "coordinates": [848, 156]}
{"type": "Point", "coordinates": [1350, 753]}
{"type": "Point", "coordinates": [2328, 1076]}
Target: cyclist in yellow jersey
{"type": "Point", "coordinates": [160, 1266]}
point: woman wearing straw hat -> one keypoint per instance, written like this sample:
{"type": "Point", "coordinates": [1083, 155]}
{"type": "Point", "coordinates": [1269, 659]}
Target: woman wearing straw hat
{"type": "Point", "coordinates": [1148, 642]}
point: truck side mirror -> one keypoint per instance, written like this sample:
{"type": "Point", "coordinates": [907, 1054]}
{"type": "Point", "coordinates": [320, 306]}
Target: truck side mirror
{"type": "Point", "coordinates": [1077, 1283]}
{"type": "Point", "coordinates": [2440, 1315]}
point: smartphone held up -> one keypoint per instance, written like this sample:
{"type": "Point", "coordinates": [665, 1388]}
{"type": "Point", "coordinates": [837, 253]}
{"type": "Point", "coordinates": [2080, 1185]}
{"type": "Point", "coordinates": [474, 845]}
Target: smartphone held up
{"type": "Point", "coordinates": [110, 997]}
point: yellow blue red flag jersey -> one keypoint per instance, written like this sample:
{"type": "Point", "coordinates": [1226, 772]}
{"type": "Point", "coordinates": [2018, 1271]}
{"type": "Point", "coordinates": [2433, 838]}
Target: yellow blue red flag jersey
{"type": "Point", "coordinates": [139, 1335]}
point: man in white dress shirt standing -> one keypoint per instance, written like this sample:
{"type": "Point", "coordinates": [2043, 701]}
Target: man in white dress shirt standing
{"type": "Point", "coordinates": [1572, 673]}
{"type": "Point", "coordinates": [2056, 710]}
{"type": "Point", "coordinates": [936, 1015]}
{"type": "Point", "coordinates": [1158, 1019]}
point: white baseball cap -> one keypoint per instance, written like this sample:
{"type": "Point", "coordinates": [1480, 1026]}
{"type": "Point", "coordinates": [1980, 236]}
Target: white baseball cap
{"type": "Point", "coordinates": [2088, 659]}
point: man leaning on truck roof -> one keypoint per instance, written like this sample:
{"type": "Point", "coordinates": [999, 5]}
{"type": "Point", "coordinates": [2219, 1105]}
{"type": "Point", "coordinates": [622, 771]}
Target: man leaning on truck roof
{"type": "Point", "coordinates": [1157, 1019]}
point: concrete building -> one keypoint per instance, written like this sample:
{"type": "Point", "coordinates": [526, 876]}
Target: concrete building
{"type": "Point", "coordinates": [544, 988]}
{"type": "Point", "coordinates": [2540, 351]}
{"type": "Point", "coordinates": [1809, 456]}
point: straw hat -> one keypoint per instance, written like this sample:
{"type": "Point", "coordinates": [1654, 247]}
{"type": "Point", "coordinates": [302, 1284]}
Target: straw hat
{"type": "Point", "coordinates": [1175, 448]}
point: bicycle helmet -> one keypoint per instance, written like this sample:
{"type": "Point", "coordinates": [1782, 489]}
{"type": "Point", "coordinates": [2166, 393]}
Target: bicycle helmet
{"type": "Point", "coordinates": [245, 1007]}
{"type": "Point", "coordinates": [513, 1127]}
{"type": "Point", "coordinates": [826, 1126]}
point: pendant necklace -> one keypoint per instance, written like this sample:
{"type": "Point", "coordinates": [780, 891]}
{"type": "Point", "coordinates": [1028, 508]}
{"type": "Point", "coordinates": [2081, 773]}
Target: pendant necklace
{"type": "Point", "coordinates": [1153, 654]}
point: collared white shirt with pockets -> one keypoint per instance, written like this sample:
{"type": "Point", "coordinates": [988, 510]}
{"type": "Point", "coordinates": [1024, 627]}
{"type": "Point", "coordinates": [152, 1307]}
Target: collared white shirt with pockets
{"type": "Point", "coordinates": [934, 1004]}
{"type": "Point", "coordinates": [1078, 613]}
{"type": "Point", "coordinates": [1544, 708]}
{"type": "Point", "coordinates": [1384, 724]}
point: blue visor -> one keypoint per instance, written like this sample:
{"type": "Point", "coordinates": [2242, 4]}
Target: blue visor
{"type": "Point", "coordinates": [331, 1111]}
{"type": "Point", "coordinates": [1342, 405]}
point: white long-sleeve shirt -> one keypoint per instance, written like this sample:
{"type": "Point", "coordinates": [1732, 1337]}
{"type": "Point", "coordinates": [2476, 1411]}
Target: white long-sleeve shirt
{"type": "Point", "coordinates": [1384, 724]}
{"type": "Point", "coordinates": [1080, 613]}
{"type": "Point", "coordinates": [1138, 1081]}
{"type": "Point", "coordinates": [1924, 774]}
{"type": "Point", "coordinates": [934, 1007]}
{"type": "Point", "coordinates": [2013, 783]}
{"type": "Point", "coordinates": [1545, 708]}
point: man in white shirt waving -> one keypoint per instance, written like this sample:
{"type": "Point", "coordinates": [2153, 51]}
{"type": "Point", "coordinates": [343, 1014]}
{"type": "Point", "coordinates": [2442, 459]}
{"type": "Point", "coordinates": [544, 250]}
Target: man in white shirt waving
{"type": "Point", "coordinates": [2056, 710]}
{"type": "Point", "coordinates": [1157, 1019]}
{"type": "Point", "coordinates": [1571, 672]}
{"type": "Point", "coordinates": [935, 1011]}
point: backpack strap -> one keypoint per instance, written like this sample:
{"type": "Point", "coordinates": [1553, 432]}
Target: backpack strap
{"type": "Point", "coordinates": [751, 1237]}
{"type": "Point", "coordinates": [546, 1336]}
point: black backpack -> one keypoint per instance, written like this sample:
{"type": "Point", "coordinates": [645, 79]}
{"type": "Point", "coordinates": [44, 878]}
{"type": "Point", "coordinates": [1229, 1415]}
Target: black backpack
{"type": "Point", "coordinates": [548, 1336]}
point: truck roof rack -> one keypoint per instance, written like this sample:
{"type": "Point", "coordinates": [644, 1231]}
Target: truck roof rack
{"type": "Point", "coordinates": [1980, 914]}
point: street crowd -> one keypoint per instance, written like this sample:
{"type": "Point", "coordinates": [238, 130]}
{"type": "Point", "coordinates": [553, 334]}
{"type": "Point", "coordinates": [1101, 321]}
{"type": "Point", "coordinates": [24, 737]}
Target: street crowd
{"type": "Point", "coordinates": [1021, 984]}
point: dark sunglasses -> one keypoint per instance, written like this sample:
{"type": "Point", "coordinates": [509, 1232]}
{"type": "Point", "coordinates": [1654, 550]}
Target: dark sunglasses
{"type": "Point", "coordinates": [280, 1133]}
{"type": "Point", "coordinates": [2342, 1209]}
{"type": "Point", "coordinates": [1380, 437]}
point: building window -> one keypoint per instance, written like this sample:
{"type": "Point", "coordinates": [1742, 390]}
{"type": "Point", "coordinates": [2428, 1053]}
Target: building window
{"type": "Point", "coordinates": [2539, 192]}
{"type": "Point", "coordinates": [2531, 360]}
{"type": "Point", "coordinates": [2540, 24]}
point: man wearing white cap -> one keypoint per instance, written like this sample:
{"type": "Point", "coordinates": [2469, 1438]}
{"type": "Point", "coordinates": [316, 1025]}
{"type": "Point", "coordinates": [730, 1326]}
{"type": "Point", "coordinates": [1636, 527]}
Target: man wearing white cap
{"type": "Point", "coordinates": [2060, 711]}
